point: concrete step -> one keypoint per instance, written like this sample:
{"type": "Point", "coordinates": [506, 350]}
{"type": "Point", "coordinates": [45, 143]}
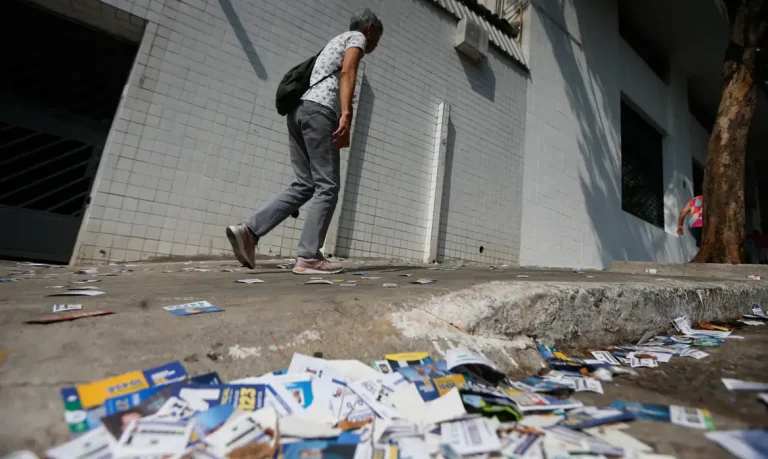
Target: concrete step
{"type": "Point", "coordinates": [702, 270]}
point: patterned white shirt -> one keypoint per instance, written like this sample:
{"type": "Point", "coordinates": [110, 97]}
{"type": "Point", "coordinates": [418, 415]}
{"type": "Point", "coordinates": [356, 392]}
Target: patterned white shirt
{"type": "Point", "coordinates": [329, 61]}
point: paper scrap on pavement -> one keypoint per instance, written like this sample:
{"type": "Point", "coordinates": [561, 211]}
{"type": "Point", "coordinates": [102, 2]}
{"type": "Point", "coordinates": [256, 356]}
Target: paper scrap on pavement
{"type": "Point", "coordinates": [737, 384]}
{"type": "Point", "coordinates": [87, 281]}
{"type": "Point", "coordinates": [408, 401]}
{"type": "Point", "coordinates": [78, 293]}
{"type": "Point", "coordinates": [389, 285]}
{"type": "Point", "coordinates": [606, 357]}
{"type": "Point", "coordinates": [470, 436]}
{"type": "Point", "coordinates": [249, 281]}
{"type": "Point", "coordinates": [67, 307]}
{"type": "Point", "coordinates": [745, 321]}
{"type": "Point", "coordinates": [695, 353]}
{"type": "Point", "coordinates": [424, 281]}
{"type": "Point", "coordinates": [763, 397]}
{"type": "Point", "coordinates": [462, 356]}
{"type": "Point", "coordinates": [744, 444]}
{"type": "Point", "coordinates": [318, 281]}
{"type": "Point", "coordinates": [66, 317]}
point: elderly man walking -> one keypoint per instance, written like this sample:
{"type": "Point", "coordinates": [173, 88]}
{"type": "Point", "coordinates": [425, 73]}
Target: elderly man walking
{"type": "Point", "coordinates": [317, 127]}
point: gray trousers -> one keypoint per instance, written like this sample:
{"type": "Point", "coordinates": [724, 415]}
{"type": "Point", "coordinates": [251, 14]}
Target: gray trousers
{"type": "Point", "coordinates": [316, 163]}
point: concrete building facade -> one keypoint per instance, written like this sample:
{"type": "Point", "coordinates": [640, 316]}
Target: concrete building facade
{"type": "Point", "coordinates": [515, 159]}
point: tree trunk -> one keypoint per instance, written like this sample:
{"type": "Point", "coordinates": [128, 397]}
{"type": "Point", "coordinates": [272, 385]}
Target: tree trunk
{"type": "Point", "coordinates": [724, 214]}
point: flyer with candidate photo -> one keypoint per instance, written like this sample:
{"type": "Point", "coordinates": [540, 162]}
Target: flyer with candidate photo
{"type": "Point", "coordinates": [84, 403]}
{"type": "Point", "coordinates": [188, 309]}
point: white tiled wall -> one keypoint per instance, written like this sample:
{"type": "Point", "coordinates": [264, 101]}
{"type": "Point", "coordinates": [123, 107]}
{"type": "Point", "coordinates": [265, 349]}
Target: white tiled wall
{"type": "Point", "coordinates": [572, 187]}
{"type": "Point", "coordinates": [197, 144]}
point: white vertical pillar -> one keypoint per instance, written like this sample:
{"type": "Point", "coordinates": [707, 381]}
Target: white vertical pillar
{"type": "Point", "coordinates": [436, 182]}
{"type": "Point", "coordinates": [332, 236]}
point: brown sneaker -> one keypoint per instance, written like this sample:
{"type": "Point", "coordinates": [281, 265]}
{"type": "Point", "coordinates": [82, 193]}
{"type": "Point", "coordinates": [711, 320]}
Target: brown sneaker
{"type": "Point", "coordinates": [243, 244]}
{"type": "Point", "coordinates": [316, 266]}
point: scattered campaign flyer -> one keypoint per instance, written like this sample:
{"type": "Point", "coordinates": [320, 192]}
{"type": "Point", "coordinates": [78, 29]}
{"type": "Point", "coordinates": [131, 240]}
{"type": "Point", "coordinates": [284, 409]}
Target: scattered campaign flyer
{"type": "Point", "coordinates": [116, 424]}
{"type": "Point", "coordinates": [683, 325]}
{"type": "Point", "coordinates": [517, 440]}
{"type": "Point", "coordinates": [589, 384]}
{"type": "Point", "coordinates": [501, 408]}
{"type": "Point", "coordinates": [744, 444]}
{"type": "Point", "coordinates": [123, 402]}
{"type": "Point", "coordinates": [319, 448]}
{"type": "Point", "coordinates": [67, 307]}
{"type": "Point", "coordinates": [758, 311]}
{"type": "Point", "coordinates": [470, 436]}
{"type": "Point", "coordinates": [529, 401]}
{"type": "Point", "coordinates": [534, 384]}
{"type": "Point", "coordinates": [97, 443]}
{"type": "Point", "coordinates": [688, 417]}
{"type": "Point", "coordinates": [84, 403]}
{"type": "Point", "coordinates": [462, 356]}
{"type": "Point", "coordinates": [737, 384]}
{"type": "Point", "coordinates": [695, 353]}
{"type": "Point", "coordinates": [154, 437]}
{"type": "Point", "coordinates": [605, 356]}
{"type": "Point", "coordinates": [199, 307]}
{"type": "Point", "coordinates": [580, 442]}
{"type": "Point", "coordinates": [244, 428]}
{"type": "Point", "coordinates": [249, 281]}
{"type": "Point", "coordinates": [591, 416]}
{"type": "Point", "coordinates": [643, 362]}
{"type": "Point", "coordinates": [382, 366]}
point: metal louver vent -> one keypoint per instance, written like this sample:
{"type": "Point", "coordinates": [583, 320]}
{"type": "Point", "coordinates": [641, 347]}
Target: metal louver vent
{"type": "Point", "coordinates": [43, 171]}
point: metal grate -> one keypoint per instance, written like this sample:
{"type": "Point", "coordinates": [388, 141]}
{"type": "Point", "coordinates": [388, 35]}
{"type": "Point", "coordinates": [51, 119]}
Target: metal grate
{"type": "Point", "coordinates": [642, 181]}
{"type": "Point", "coordinates": [43, 171]}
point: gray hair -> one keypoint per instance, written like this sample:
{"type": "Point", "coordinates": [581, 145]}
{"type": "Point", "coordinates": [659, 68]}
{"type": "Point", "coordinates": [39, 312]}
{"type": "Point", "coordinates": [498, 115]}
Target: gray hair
{"type": "Point", "coordinates": [362, 18]}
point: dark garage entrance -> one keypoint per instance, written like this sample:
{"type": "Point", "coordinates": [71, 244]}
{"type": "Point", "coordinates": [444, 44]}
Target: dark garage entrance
{"type": "Point", "coordinates": [60, 86]}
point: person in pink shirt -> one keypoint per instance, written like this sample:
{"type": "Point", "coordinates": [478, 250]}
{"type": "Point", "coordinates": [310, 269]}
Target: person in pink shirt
{"type": "Point", "coordinates": [695, 221]}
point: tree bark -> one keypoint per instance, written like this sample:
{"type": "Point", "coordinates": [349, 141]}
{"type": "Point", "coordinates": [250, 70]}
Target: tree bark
{"type": "Point", "coordinates": [724, 213]}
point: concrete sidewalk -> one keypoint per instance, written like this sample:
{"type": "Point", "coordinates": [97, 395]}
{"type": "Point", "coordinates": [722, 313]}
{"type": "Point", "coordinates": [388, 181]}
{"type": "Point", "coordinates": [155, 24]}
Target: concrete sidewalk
{"type": "Point", "coordinates": [492, 310]}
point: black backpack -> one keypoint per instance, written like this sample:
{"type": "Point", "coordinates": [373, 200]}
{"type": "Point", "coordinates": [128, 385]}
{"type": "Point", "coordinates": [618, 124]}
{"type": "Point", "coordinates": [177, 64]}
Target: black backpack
{"type": "Point", "coordinates": [294, 84]}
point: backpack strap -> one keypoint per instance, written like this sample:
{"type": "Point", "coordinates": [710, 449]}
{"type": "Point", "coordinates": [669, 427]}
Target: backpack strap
{"type": "Point", "coordinates": [325, 77]}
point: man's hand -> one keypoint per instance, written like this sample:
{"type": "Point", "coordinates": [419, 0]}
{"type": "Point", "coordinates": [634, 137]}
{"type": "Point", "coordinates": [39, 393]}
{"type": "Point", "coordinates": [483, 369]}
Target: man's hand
{"type": "Point", "coordinates": [680, 230]}
{"type": "Point", "coordinates": [341, 136]}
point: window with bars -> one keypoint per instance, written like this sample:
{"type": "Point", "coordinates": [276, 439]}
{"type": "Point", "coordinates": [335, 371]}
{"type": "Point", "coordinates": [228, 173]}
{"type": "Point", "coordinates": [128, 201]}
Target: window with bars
{"type": "Point", "coordinates": [642, 185]}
